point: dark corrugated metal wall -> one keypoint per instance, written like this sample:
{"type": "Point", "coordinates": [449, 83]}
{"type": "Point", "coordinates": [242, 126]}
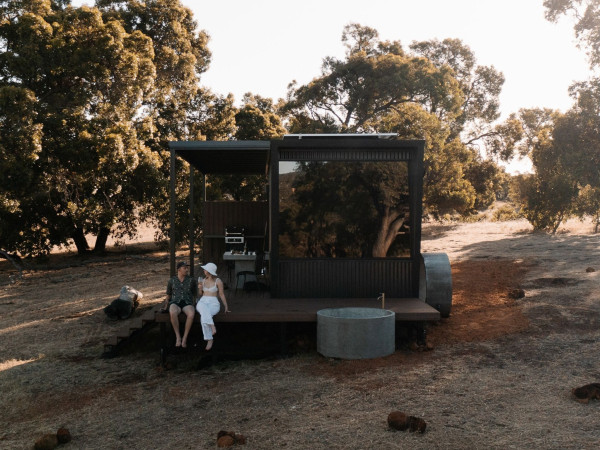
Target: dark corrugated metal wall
{"type": "Point", "coordinates": [364, 155]}
{"type": "Point", "coordinates": [345, 278]}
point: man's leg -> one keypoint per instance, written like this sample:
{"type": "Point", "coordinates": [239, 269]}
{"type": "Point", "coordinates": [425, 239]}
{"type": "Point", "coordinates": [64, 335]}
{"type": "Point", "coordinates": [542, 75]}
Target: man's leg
{"type": "Point", "coordinates": [174, 311]}
{"type": "Point", "coordinates": [190, 312]}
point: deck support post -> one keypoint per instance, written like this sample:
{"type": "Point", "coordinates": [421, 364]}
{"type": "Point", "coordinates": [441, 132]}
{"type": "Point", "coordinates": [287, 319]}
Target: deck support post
{"type": "Point", "coordinates": [163, 344]}
{"type": "Point", "coordinates": [283, 338]}
{"type": "Point", "coordinates": [421, 333]}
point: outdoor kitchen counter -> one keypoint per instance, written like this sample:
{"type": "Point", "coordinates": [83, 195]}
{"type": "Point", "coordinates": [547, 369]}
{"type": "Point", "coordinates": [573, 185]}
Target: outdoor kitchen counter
{"type": "Point", "coordinates": [242, 262]}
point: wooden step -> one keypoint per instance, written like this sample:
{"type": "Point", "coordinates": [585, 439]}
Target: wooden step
{"type": "Point", "coordinates": [129, 328]}
{"type": "Point", "coordinates": [124, 333]}
{"type": "Point", "coordinates": [148, 316]}
{"type": "Point", "coordinates": [111, 341]}
{"type": "Point", "coordinates": [136, 324]}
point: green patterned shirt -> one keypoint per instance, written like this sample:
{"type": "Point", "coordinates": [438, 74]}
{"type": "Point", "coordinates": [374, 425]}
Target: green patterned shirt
{"type": "Point", "coordinates": [184, 291]}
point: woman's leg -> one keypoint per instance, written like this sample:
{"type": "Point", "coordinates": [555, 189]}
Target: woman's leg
{"type": "Point", "coordinates": [207, 309]}
{"type": "Point", "coordinates": [205, 319]}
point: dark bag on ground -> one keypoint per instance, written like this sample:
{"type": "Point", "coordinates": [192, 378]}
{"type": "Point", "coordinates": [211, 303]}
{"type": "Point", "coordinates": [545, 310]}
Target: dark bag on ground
{"type": "Point", "coordinates": [124, 306]}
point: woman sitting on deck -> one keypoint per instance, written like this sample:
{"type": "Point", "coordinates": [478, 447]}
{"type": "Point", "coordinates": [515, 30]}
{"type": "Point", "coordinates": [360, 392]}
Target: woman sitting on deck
{"type": "Point", "coordinates": [209, 305]}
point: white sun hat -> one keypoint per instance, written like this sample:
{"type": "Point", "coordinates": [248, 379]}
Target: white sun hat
{"type": "Point", "coordinates": [210, 268]}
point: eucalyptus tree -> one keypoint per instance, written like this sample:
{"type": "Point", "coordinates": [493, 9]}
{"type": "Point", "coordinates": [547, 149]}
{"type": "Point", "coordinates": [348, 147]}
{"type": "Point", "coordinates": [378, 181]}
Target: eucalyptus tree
{"type": "Point", "coordinates": [565, 148]}
{"type": "Point", "coordinates": [587, 23]}
{"type": "Point", "coordinates": [436, 93]}
{"type": "Point", "coordinates": [108, 87]}
{"type": "Point", "coordinates": [86, 79]}
{"type": "Point", "coordinates": [546, 196]}
{"type": "Point", "coordinates": [480, 86]}
{"type": "Point", "coordinates": [578, 133]}
{"type": "Point", "coordinates": [178, 108]}
{"type": "Point", "coordinates": [256, 119]}
{"type": "Point", "coordinates": [181, 56]}
{"type": "Point", "coordinates": [375, 78]}
{"type": "Point", "coordinates": [20, 148]}
{"type": "Point", "coordinates": [575, 149]}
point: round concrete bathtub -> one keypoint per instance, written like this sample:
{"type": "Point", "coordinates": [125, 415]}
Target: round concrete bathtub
{"type": "Point", "coordinates": [356, 333]}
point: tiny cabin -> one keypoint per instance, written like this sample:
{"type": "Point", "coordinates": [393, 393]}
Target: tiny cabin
{"type": "Point", "coordinates": [340, 224]}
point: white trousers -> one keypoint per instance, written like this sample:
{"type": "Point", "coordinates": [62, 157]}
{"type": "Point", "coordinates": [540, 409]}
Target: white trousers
{"type": "Point", "coordinates": [207, 307]}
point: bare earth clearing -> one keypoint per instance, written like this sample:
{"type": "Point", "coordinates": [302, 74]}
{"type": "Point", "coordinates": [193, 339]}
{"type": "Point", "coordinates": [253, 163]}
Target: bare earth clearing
{"type": "Point", "coordinates": [499, 376]}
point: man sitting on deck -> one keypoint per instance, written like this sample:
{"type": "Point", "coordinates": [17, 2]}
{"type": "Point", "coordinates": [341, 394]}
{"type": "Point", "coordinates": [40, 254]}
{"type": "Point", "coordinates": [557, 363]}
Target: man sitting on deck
{"type": "Point", "coordinates": [182, 291]}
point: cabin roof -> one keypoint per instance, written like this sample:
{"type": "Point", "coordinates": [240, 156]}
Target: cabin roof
{"type": "Point", "coordinates": [252, 157]}
{"type": "Point", "coordinates": [225, 157]}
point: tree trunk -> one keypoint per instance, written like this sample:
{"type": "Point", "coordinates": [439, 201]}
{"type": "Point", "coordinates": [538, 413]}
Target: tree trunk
{"type": "Point", "coordinates": [13, 258]}
{"type": "Point", "coordinates": [80, 241]}
{"type": "Point", "coordinates": [390, 224]}
{"type": "Point", "coordinates": [557, 224]}
{"type": "Point", "coordinates": [100, 246]}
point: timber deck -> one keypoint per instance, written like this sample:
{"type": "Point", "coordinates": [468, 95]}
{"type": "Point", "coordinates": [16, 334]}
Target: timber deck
{"type": "Point", "coordinates": [260, 307]}
{"type": "Point", "coordinates": [257, 309]}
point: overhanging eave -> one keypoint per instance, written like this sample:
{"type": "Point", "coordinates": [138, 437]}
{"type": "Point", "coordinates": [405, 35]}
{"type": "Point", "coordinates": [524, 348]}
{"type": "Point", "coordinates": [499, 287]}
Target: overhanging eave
{"type": "Point", "coordinates": [225, 157]}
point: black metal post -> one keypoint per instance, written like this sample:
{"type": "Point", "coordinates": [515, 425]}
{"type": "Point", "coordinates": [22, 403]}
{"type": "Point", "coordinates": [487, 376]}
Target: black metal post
{"type": "Point", "coordinates": [163, 344]}
{"type": "Point", "coordinates": [172, 220]}
{"type": "Point", "coordinates": [191, 224]}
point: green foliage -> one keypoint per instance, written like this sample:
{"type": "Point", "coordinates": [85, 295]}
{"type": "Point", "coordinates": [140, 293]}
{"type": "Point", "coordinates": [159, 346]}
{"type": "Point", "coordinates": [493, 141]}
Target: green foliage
{"type": "Point", "coordinates": [177, 108]}
{"type": "Point", "coordinates": [437, 93]}
{"type": "Point", "coordinates": [487, 179]}
{"type": "Point", "coordinates": [344, 210]}
{"type": "Point", "coordinates": [547, 197]}
{"type": "Point", "coordinates": [87, 78]}
{"type": "Point", "coordinates": [101, 92]}
{"type": "Point", "coordinates": [505, 213]}
{"type": "Point", "coordinates": [20, 148]}
{"type": "Point", "coordinates": [374, 79]}
{"type": "Point", "coordinates": [588, 204]}
{"type": "Point", "coordinates": [255, 120]}
{"type": "Point", "coordinates": [549, 202]}
{"type": "Point", "coordinates": [565, 149]}
{"type": "Point", "coordinates": [587, 26]}
{"type": "Point", "coordinates": [480, 85]}
{"type": "Point", "coordinates": [544, 200]}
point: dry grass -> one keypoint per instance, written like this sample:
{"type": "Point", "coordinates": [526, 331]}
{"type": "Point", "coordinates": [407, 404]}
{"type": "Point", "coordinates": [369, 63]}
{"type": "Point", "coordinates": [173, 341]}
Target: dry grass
{"type": "Point", "coordinates": [499, 376]}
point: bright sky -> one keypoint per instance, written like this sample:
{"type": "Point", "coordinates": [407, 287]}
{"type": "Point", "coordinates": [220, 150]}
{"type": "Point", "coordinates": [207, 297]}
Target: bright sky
{"type": "Point", "coordinates": [260, 46]}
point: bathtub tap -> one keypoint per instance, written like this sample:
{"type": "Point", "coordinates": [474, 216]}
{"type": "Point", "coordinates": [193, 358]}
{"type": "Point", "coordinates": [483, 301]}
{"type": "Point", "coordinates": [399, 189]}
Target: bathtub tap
{"type": "Point", "coordinates": [382, 298]}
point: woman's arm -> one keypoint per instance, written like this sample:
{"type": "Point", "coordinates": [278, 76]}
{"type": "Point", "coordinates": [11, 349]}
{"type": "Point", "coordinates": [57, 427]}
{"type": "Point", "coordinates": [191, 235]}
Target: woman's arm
{"type": "Point", "coordinates": [222, 294]}
{"type": "Point", "coordinates": [200, 287]}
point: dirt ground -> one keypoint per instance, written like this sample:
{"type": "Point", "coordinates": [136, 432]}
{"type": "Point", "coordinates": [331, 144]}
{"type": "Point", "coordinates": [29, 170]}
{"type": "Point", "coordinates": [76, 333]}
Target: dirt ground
{"type": "Point", "coordinates": [499, 375]}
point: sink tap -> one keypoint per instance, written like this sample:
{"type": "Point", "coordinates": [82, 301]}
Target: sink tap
{"type": "Point", "coordinates": [382, 298]}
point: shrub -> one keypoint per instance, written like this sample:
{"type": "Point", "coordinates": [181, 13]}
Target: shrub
{"type": "Point", "coordinates": [505, 213]}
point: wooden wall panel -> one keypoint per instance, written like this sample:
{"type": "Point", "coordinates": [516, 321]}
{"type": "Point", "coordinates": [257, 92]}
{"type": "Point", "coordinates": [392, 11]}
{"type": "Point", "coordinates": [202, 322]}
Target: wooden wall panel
{"type": "Point", "coordinates": [218, 215]}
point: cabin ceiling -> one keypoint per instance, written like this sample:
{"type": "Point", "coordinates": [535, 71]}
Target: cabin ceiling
{"type": "Point", "coordinates": [225, 157]}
